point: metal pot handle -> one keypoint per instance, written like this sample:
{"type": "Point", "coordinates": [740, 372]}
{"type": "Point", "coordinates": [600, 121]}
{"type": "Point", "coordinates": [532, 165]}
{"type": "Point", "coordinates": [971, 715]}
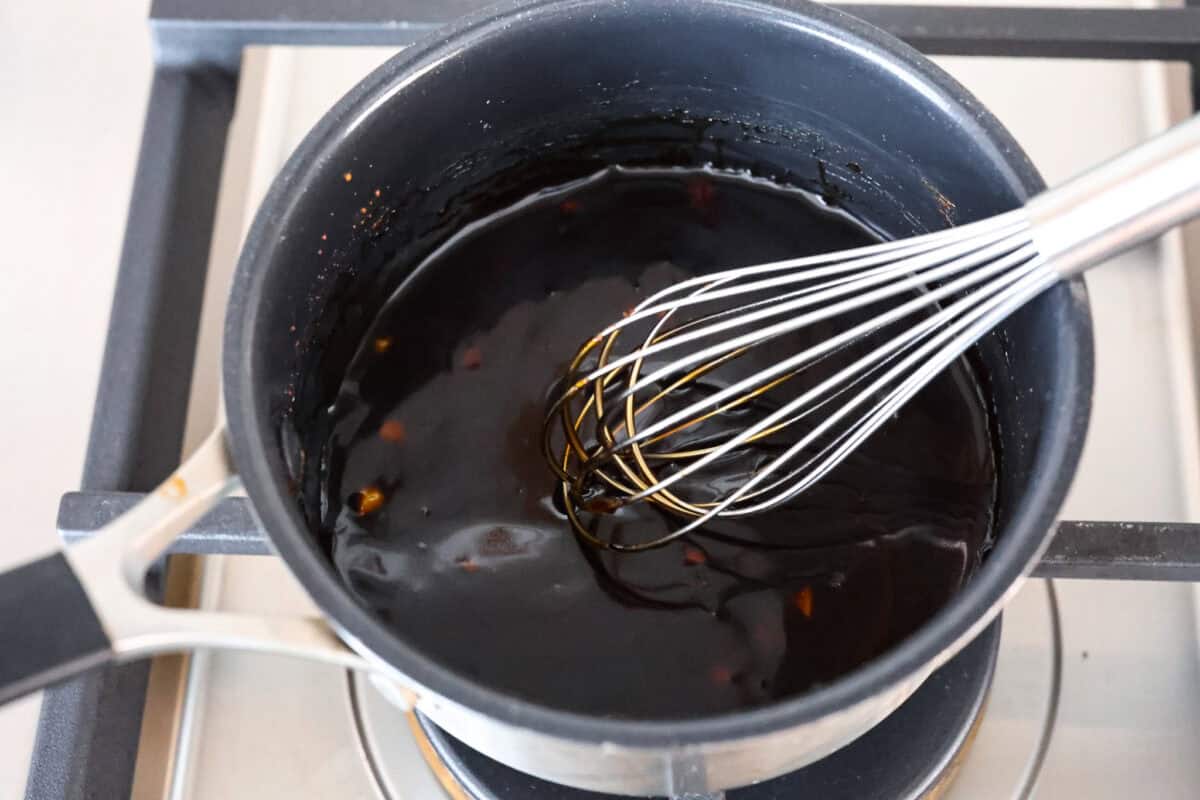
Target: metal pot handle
{"type": "Point", "coordinates": [84, 605]}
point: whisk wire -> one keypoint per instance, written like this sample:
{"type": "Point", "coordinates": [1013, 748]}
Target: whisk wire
{"type": "Point", "coordinates": [828, 264]}
{"type": "Point", "coordinates": [925, 362]}
{"type": "Point", "coordinates": [809, 355]}
{"type": "Point", "coordinates": [980, 272]}
{"type": "Point", "coordinates": [951, 341]}
{"type": "Point", "coordinates": [969, 306]}
{"type": "Point", "coordinates": [914, 276]}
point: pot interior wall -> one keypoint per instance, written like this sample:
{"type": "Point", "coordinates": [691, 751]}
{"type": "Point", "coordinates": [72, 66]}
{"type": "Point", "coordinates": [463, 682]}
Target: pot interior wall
{"type": "Point", "coordinates": [427, 147]}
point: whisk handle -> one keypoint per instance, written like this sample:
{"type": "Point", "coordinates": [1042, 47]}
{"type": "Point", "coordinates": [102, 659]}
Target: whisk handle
{"type": "Point", "coordinates": [1121, 203]}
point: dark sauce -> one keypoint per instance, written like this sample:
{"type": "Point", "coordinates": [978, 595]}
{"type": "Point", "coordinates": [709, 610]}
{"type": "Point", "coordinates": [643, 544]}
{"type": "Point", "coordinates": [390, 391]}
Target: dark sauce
{"type": "Point", "coordinates": [442, 515]}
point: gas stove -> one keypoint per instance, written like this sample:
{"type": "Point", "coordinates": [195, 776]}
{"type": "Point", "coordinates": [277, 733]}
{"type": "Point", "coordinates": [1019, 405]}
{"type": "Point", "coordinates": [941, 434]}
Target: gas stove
{"type": "Point", "coordinates": [1088, 686]}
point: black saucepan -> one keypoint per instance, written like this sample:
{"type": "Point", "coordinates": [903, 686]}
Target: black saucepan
{"type": "Point", "coordinates": [512, 100]}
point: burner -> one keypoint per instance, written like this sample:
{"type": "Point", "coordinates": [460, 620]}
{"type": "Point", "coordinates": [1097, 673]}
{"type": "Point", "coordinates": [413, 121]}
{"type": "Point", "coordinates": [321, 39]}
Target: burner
{"type": "Point", "coordinates": [925, 740]}
{"type": "Point", "coordinates": [921, 740]}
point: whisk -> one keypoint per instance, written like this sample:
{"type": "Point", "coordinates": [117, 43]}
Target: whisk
{"type": "Point", "coordinates": [629, 424]}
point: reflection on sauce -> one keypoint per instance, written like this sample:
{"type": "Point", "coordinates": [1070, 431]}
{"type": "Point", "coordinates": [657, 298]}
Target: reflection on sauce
{"type": "Point", "coordinates": [442, 514]}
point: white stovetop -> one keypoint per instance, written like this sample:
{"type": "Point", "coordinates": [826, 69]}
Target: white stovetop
{"type": "Point", "coordinates": [1130, 716]}
{"type": "Point", "coordinates": [74, 78]}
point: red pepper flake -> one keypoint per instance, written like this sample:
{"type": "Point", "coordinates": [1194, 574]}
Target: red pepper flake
{"type": "Point", "coordinates": [694, 556]}
{"type": "Point", "coordinates": [721, 674]}
{"type": "Point", "coordinates": [383, 344]}
{"type": "Point", "coordinates": [363, 210]}
{"type": "Point", "coordinates": [803, 600]}
{"type": "Point", "coordinates": [393, 431]}
{"type": "Point", "coordinates": [627, 313]}
{"type": "Point", "coordinates": [569, 206]}
{"type": "Point", "coordinates": [466, 564]}
{"type": "Point", "coordinates": [472, 358]}
{"type": "Point", "coordinates": [347, 176]}
{"type": "Point", "coordinates": [377, 193]}
{"type": "Point", "coordinates": [323, 237]}
{"type": "Point", "coordinates": [602, 505]}
{"type": "Point", "coordinates": [366, 501]}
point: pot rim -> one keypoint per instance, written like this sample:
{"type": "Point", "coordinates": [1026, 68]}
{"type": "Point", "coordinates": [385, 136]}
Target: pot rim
{"type": "Point", "coordinates": [1013, 555]}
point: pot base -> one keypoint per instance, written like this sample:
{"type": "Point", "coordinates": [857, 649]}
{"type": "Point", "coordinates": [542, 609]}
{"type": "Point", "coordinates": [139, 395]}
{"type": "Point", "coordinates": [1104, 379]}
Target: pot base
{"type": "Point", "coordinates": [913, 753]}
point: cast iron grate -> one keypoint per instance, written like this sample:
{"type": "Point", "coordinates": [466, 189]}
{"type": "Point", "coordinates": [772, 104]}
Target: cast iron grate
{"type": "Point", "coordinates": [88, 732]}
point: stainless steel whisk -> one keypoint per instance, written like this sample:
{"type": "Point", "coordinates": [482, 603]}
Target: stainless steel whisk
{"type": "Point", "coordinates": [907, 309]}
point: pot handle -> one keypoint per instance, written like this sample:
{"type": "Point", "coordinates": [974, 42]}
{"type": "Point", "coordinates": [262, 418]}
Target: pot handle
{"type": "Point", "coordinates": [48, 630]}
{"type": "Point", "coordinates": [85, 605]}
{"type": "Point", "coordinates": [1121, 203]}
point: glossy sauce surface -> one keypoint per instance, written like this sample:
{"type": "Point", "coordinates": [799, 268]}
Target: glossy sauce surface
{"type": "Point", "coordinates": [440, 508]}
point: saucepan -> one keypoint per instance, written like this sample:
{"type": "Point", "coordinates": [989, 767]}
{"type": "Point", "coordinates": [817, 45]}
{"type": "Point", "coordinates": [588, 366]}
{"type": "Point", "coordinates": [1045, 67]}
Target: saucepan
{"type": "Point", "coordinates": [514, 99]}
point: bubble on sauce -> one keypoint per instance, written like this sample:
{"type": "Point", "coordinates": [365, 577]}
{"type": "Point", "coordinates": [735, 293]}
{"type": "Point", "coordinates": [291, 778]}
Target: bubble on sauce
{"type": "Point", "coordinates": [394, 431]}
